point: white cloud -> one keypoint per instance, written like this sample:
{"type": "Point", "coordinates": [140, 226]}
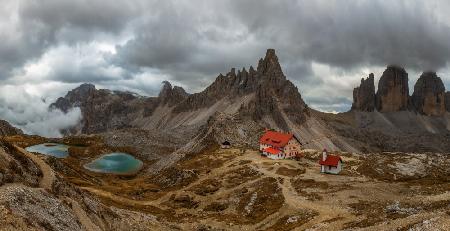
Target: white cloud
{"type": "Point", "coordinates": [29, 111]}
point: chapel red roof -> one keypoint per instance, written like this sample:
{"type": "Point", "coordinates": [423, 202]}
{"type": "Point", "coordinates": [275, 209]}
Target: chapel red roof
{"type": "Point", "coordinates": [331, 160]}
{"type": "Point", "coordinates": [272, 151]}
{"type": "Point", "coordinates": [276, 139]}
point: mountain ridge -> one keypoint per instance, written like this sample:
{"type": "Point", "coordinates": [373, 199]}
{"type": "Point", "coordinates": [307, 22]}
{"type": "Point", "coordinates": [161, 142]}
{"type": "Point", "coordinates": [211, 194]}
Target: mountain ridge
{"type": "Point", "coordinates": [239, 105]}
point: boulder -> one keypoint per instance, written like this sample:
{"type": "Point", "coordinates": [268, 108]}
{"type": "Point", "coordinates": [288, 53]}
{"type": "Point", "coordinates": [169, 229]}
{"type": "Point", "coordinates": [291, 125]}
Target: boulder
{"type": "Point", "coordinates": [393, 90]}
{"type": "Point", "coordinates": [429, 95]}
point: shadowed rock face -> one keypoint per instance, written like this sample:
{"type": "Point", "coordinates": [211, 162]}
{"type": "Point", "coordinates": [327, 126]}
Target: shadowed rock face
{"type": "Point", "coordinates": [364, 95]}
{"type": "Point", "coordinates": [429, 95]}
{"type": "Point", "coordinates": [172, 95]}
{"type": "Point", "coordinates": [101, 109]}
{"type": "Point", "coordinates": [447, 101]}
{"type": "Point", "coordinates": [273, 87]}
{"type": "Point", "coordinates": [393, 90]}
{"type": "Point", "coordinates": [75, 98]}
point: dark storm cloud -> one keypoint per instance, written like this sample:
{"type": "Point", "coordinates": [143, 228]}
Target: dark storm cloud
{"type": "Point", "coordinates": [350, 33]}
{"type": "Point", "coordinates": [32, 27]}
{"type": "Point", "coordinates": [191, 42]}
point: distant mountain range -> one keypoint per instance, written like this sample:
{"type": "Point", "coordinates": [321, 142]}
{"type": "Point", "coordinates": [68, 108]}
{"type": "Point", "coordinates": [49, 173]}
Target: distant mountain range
{"type": "Point", "coordinates": [238, 106]}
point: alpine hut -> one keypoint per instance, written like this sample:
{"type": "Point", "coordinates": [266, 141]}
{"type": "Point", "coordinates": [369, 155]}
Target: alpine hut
{"type": "Point", "coordinates": [278, 145]}
{"type": "Point", "coordinates": [330, 163]}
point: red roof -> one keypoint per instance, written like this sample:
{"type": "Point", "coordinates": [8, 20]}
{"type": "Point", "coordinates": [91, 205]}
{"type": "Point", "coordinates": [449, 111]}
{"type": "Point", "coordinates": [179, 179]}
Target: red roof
{"type": "Point", "coordinates": [272, 151]}
{"type": "Point", "coordinates": [331, 161]}
{"type": "Point", "coordinates": [276, 139]}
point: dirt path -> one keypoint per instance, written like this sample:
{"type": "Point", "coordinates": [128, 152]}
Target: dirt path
{"type": "Point", "coordinates": [82, 216]}
{"type": "Point", "coordinates": [48, 176]}
{"type": "Point", "coordinates": [332, 211]}
{"type": "Point", "coordinates": [326, 210]}
{"type": "Point", "coordinates": [46, 183]}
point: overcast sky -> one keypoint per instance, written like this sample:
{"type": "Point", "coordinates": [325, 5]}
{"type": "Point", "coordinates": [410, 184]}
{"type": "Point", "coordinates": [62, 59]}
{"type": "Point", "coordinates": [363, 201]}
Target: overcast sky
{"type": "Point", "coordinates": [325, 47]}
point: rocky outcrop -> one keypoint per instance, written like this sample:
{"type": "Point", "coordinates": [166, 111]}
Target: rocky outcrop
{"type": "Point", "coordinates": [393, 90]}
{"type": "Point", "coordinates": [6, 129]}
{"type": "Point", "coordinates": [429, 95]}
{"type": "Point", "coordinates": [275, 96]}
{"type": "Point", "coordinates": [364, 95]}
{"type": "Point", "coordinates": [101, 110]}
{"type": "Point", "coordinates": [77, 97]}
{"type": "Point", "coordinates": [172, 95]}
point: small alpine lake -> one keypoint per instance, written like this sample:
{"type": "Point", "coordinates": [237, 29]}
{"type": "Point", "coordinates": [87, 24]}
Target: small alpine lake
{"type": "Point", "coordinates": [50, 149]}
{"type": "Point", "coordinates": [115, 163]}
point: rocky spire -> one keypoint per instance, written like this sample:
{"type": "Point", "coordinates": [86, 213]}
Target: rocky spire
{"type": "Point", "coordinates": [393, 90]}
{"type": "Point", "coordinates": [364, 95]}
{"type": "Point", "coordinates": [251, 70]}
{"type": "Point", "coordinates": [165, 90]}
{"type": "Point", "coordinates": [269, 66]}
{"type": "Point", "coordinates": [171, 95]}
{"type": "Point", "coordinates": [429, 95]}
{"type": "Point", "coordinates": [78, 96]}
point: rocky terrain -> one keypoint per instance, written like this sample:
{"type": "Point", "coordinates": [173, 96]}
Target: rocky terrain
{"type": "Point", "coordinates": [217, 189]}
{"type": "Point", "coordinates": [35, 196]}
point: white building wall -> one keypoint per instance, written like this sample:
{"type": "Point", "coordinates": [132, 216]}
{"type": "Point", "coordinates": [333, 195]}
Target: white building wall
{"type": "Point", "coordinates": [292, 147]}
{"type": "Point", "coordinates": [289, 150]}
{"type": "Point", "coordinates": [334, 170]}
{"type": "Point", "coordinates": [263, 146]}
{"type": "Point", "coordinates": [275, 157]}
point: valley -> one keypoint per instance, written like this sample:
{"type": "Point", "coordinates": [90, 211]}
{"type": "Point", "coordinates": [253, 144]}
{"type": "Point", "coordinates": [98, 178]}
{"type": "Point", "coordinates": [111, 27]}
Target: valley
{"type": "Point", "coordinates": [237, 189]}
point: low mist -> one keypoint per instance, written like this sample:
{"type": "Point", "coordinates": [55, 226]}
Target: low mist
{"type": "Point", "coordinates": [31, 113]}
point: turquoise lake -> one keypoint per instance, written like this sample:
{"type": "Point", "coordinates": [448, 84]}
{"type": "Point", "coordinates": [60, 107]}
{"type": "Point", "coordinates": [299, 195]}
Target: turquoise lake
{"type": "Point", "coordinates": [50, 149]}
{"type": "Point", "coordinates": [116, 163]}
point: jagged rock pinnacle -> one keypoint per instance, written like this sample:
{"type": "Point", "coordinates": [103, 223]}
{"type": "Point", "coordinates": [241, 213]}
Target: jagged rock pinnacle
{"type": "Point", "coordinates": [166, 88]}
{"type": "Point", "coordinates": [171, 95]}
{"type": "Point", "coordinates": [429, 95]}
{"type": "Point", "coordinates": [393, 90]}
{"type": "Point", "coordinates": [364, 95]}
{"type": "Point", "coordinates": [270, 65]}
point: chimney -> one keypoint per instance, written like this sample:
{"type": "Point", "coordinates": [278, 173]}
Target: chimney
{"type": "Point", "coordinates": [324, 155]}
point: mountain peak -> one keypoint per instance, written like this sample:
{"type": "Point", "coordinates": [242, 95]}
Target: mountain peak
{"type": "Point", "coordinates": [166, 89]}
{"type": "Point", "coordinates": [171, 95]}
{"type": "Point", "coordinates": [364, 95]}
{"type": "Point", "coordinates": [429, 94]}
{"type": "Point", "coordinates": [270, 65]}
{"type": "Point", "coordinates": [393, 90]}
